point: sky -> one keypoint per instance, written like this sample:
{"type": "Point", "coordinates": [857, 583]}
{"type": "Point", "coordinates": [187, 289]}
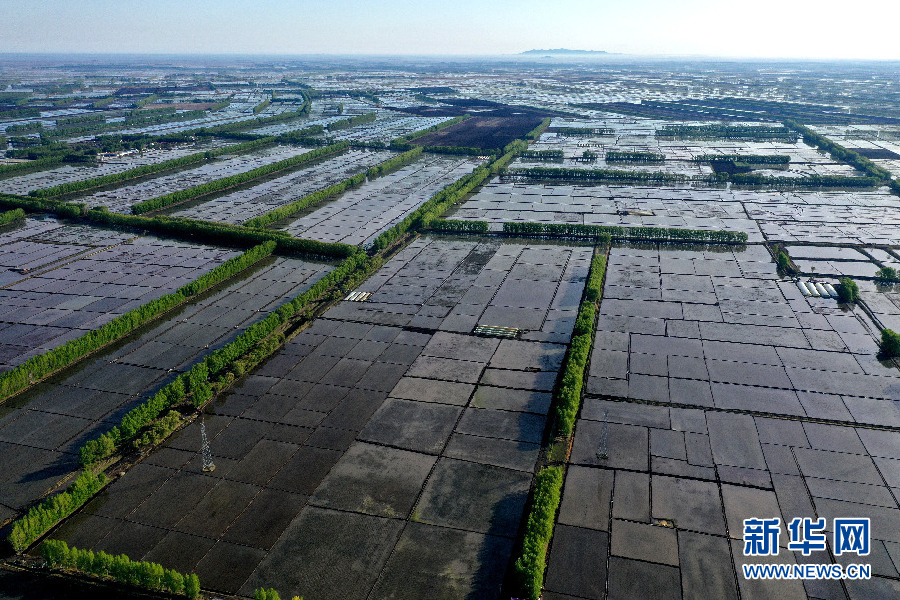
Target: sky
{"type": "Point", "coordinates": [754, 29]}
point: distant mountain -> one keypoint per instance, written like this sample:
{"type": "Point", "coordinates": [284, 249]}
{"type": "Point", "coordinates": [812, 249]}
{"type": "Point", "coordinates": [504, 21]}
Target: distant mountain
{"type": "Point", "coordinates": [565, 52]}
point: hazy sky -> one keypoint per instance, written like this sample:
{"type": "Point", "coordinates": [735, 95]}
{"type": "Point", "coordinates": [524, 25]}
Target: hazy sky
{"type": "Point", "coordinates": [758, 28]}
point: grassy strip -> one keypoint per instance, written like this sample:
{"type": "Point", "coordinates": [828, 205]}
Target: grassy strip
{"type": "Point", "coordinates": [404, 142]}
{"type": "Point", "coordinates": [613, 156]}
{"type": "Point", "coordinates": [453, 226]}
{"type": "Point", "coordinates": [39, 519]}
{"type": "Point", "coordinates": [625, 233]}
{"type": "Point", "coordinates": [808, 181]}
{"type": "Point", "coordinates": [537, 131]}
{"type": "Point", "coordinates": [11, 215]}
{"type": "Point", "coordinates": [233, 180]}
{"type": "Point", "coordinates": [538, 531]}
{"type": "Point", "coordinates": [145, 575]}
{"type": "Point", "coordinates": [86, 184]}
{"type": "Point", "coordinates": [754, 159]}
{"type": "Point", "coordinates": [529, 566]}
{"type": "Point", "coordinates": [40, 366]}
{"type": "Point", "coordinates": [262, 106]}
{"type": "Point", "coordinates": [41, 163]}
{"type": "Point", "coordinates": [839, 153]}
{"type": "Point", "coordinates": [283, 212]}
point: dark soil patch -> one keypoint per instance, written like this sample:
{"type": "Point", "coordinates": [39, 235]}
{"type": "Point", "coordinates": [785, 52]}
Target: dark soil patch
{"type": "Point", "coordinates": [483, 131]}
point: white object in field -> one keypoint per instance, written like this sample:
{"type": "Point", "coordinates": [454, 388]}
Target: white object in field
{"type": "Point", "coordinates": [812, 289]}
{"type": "Point", "coordinates": [803, 289]}
{"type": "Point", "coordinates": [822, 291]}
{"type": "Point", "coordinates": [830, 289]}
{"type": "Point", "coordinates": [358, 296]}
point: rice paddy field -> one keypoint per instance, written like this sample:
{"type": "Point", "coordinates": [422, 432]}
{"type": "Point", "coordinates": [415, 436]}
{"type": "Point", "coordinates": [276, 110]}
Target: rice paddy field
{"type": "Point", "coordinates": [385, 432]}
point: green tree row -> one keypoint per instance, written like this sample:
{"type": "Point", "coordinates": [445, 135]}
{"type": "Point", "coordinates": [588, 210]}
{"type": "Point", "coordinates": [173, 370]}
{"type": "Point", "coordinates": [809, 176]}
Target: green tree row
{"type": "Point", "coordinates": [39, 519]}
{"type": "Point", "coordinates": [25, 127]}
{"type": "Point", "coordinates": [808, 181]}
{"type": "Point", "coordinates": [755, 159]}
{"type": "Point", "coordinates": [143, 170]}
{"type": "Point", "coordinates": [530, 564]}
{"type": "Point", "coordinates": [233, 180]}
{"type": "Point", "coordinates": [352, 122]}
{"type": "Point", "coordinates": [248, 349]}
{"type": "Point", "coordinates": [192, 230]}
{"type": "Point", "coordinates": [600, 174]}
{"type": "Point", "coordinates": [458, 150]}
{"type": "Point", "coordinates": [573, 230]}
{"type": "Point", "coordinates": [285, 211]}
{"type": "Point", "coordinates": [37, 205]}
{"type": "Point", "coordinates": [537, 131]}
{"type": "Point", "coordinates": [40, 366]}
{"type": "Point", "coordinates": [394, 163]}
{"type": "Point", "coordinates": [615, 155]}
{"type": "Point", "coordinates": [454, 226]}
{"type": "Point", "coordinates": [438, 204]}
{"type": "Point", "coordinates": [262, 106]}
{"type": "Point", "coordinates": [41, 163]}
{"type": "Point", "coordinates": [728, 132]}
{"type": "Point", "coordinates": [840, 153]}
{"type": "Point", "coordinates": [140, 574]}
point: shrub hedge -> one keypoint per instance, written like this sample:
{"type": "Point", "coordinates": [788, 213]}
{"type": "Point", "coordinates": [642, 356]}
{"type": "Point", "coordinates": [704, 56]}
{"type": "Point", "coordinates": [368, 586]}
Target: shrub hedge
{"type": "Point", "coordinates": [890, 343]}
{"type": "Point", "coordinates": [11, 215]}
{"type": "Point", "coordinates": [39, 519]}
{"type": "Point", "coordinates": [624, 233]}
{"type": "Point", "coordinates": [847, 290]}
{"type": "Point", "coordinates": [233, 180]}
{"type": "Point", "coordinates": [146, 575]}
